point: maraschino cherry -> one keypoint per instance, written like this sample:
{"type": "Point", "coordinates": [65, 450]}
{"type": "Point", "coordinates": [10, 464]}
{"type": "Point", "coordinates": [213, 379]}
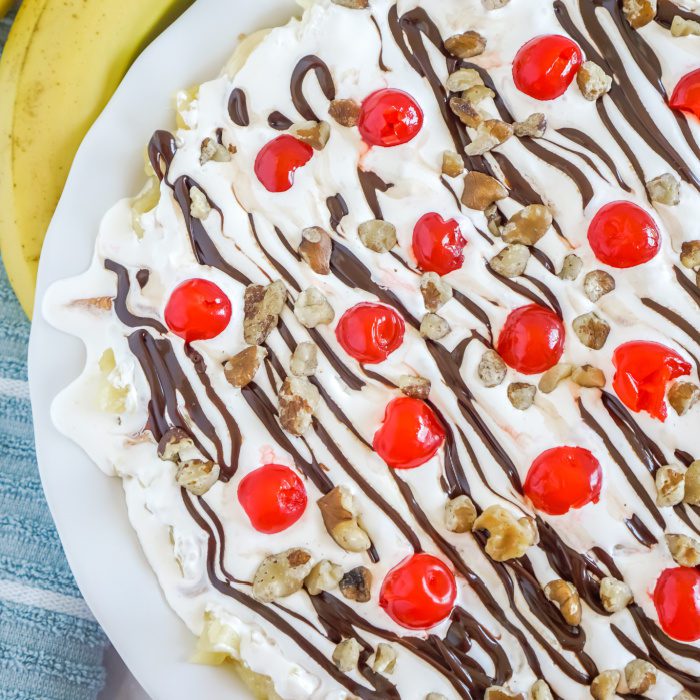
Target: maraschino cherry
{"type": "Point", "coordinates": [279, 159]}
{"type": "Point", "coordinates": [532, 339]}
{"type": "Point", "coordinates": [546, 66]}
{"type": "Point", "coordinates": [370, 332]}
{"type": "Point", "coordinates": [419, 593]}
{"type": "Point", "coordinates": [389, 118]}
{"type": "Point", "coordinates": [677, 601]}
{"type": "Point", "coordinates": [623, 235]}
{"type": "Point", "coordinates": [273, 497]}
{"type": "Point", "coordinates": [197, 310]}
{"type": "Point", "coordinates": [643, 371]}
{"type": "Point", "coordinates": [438, 245]}
{"type": "Point", "coordinates": [563, 478]}
{"type": "Point", "coordinates": [686, 96]}
{"type": "Point", "coordinates": [410, 435]}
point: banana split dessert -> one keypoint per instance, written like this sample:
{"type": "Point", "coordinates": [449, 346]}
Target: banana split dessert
{"type": "Point", "coordinates": [396, 353]}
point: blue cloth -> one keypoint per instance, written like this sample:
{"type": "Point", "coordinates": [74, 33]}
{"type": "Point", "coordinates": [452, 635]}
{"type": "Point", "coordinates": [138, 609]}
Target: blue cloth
{"type": "Point", "coordinates": [51, 648]}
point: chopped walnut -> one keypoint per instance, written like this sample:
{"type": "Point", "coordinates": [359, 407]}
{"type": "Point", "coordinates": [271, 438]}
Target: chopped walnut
{"type": "Point", "coordinates": [511, 261]}
{"type": "Point", "coordinates": [597, 284]}
{"type": "Point", "coordinates": [522, 395]}
{"type": "Point", "coordinates": [281, 575]}
{"type": "Point", "coordinates": [197, 475]}
{"type": "Point", "coordinates": [298, 399]}
{"type": "Point", "coordinates": [680, 26]}
{"type": "Point", "coordinates": [684, 550]}
{"type": "Point", "coordinates": [535, 126]}
{"type": "Point", "coordinates": [174, 442]}
{"type": "Point", "coordinates": [571, 268]}
{"type": "Point", "coordinates": [304, 360]}
{"type": "Point", "coordinates": [345, 112]}
{"type": "Point", "coordinates": [466, 112]}
{"type": "Point", "coordinates": [478, 93]}
{"type": "Point", "coordinates": [588, 377]}
{"type": "Point", "coordinates": [315, 249]}
{"type": "Point", "coordinates": [316, 134]}
{"type": "Point", "coordinates": [377, 235]}
{"type": "Point", "coordinates": [509, 537]}
{"type": "Point", "coordinates": [567, 598]}
{"type": "Point", "coordinates": [352, 4]}
{"type": "Point", "coordinates": [384, 659]}
{"type": "Point", "coordinates": [593, 81]}
{"type": "Point", "coordinates": [639, 13]}
{"type": "Point", "coordinates": [463, 79]}
{"type": "Point", "coordinates": [540, 691]}
{"type": "Point", "coordinates": [434, 327]}
{"type": "Point", "coordinates": [683, 396]}
{"type": "Point", "coordinates": [604, 686]}
{"type": "Point", "coordinates": [481, 191]}
{"type": "Point", "coordinates": [415, 387]}
{"type": "Point", "coordinates": [690, 254]}
{"type": "Point", "coordinates": [670, 485]}
{"type": "Point", "coordinates": [492, 369]}
{"type": "Point", "coordinates": [199, 204]}
{"type": "Point", "coordinates": [347, 654]}
{"type": "Point", "coordinates": [665, 189]}
{"type": "Point", "coordinates": [551, 379]}
{"type": "Point", "coordinates": [615, 595]}
{"type": "Point", "coordinates": [494, 220]}
{"type": "Point", "coordinates": [460, 514]}
{"type": "Point", "coordinates": [640, 676]}
{"type": "Point", "coordinates": [489, 134]}
{"type": "Point", "coordinates": [436, 292]}
{"type": "Point", "coordinates": [591, 330]}
{"type": "Point", "coordinates": [242, 368]}
{"type": "Point", "coordinates": [262, 307]}
{"type": "Point", "coordinates": [498, 692]}
{"type": "Point", "coordinates": [312, 308]}
{"type": "Point", "coordinates": [212, 150]}
{"type": "Point", "coordinates": [692, 484]}
{"type": "Point", "coordinates": [528, 225]}
{"type": "Point", "coordinates": [452, 164]}
{"type": "Point", "coordinates": [466, 45]}
{"type": "Point", "coordinates": [356, 584]}
{"type": "Point", "coordinates": [94, 303]}
{"type": "Point", "coordinates": [340, 518]}
{"type": "Point", "coordinates": [325, 576]}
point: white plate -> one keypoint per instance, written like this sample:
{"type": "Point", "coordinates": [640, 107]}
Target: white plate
{"type": "Point", "coordinates": [89, 507]}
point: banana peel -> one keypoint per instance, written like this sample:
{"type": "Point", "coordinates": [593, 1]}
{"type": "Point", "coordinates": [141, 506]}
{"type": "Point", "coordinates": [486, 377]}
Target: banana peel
{"type": "Point", "coordinates": [62, 62]}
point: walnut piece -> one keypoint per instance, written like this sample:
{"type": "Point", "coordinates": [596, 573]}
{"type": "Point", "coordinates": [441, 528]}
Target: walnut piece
{"type": "Point", "coordinates": [262, 307]}
{"type": "Point", "coordinates": [298, 399]}
{"type": "Point", "coordinates": [415, 387]}
{"type": "Point", "coordinates": [615, 595]}
{"type": "Point", "coordinates": [316, 134]}
{"type": "Point", "coordinates": [384, 659]}
{"type": "Point", "coordinates": [498, 692]}
{"type": "Point", "coordinates": [466, 112]}
{"type": "Point", "coordinates": [565, 595]}
{"type": "Point", "coordinates": [683, 396]}
{"type": "Point", "coordinates": [535, 126]}
{"type": "Point", "coordinates": [315, 249]}
{"type": "Point", "coordinates": [494, 220]}
{"type": "Point", "coordinates": [528, 225]}
{"type": "Point", "coordinates": [511, 261]}
{"type": "Point", "coordinates": [571, 268]}
{"type": "Point", "coordinates": [591, 330]}
{"type": "Point", "coordinates": [197, 475]}
{"type": "Point", "coordinates": [340, 518]}
{"type": "Point", "coordinates": [551, 379]}
{"type": "Point", "coordinates": [463, 79]}
{"type": "Point", "coordinates": [94, 304]}
{"type": "Point", "coordinates": [174, 442]}
{"type": "Point", "coordinates": [466, 45]}
{"type": "Point", "coordinates": [597, 284]}
{"type": "Point", "coordinates": [665, 189]}
{"type": "Point", "coordinates": [281, 575]}
{"type": "Point", "coordinates": [640, 676]}
{"type": "Point", "coordinates": [199, 204]}
{"type": "Point", "coordinates": [588, 377]}
{"type": "Point", "coordinates": [684, 550]}
{"type": "Point", "coordinates": [509, 537]}
{"type": "Point", "coordinates": [492, 369]}
{"type": "Point", "coordinates": [356, 584]}
{"type": "Point", "coordinates": [460, 514]}
{"type": "Point", "coordinates": [325, 576]}
{"type": "Point", "coordinates": [593, 81]}
{"type": "Point", "coordinates": [434, 327]}
{"type": "Point", "coordinates": [481, 191]}
{"type": "Point", "coordinates": [604, 686]}
{"type": "Point", "coordinates": [478, 93]}
{"type": "Point", "coordinates": [352, 4]}
{"type": "Point", "coordinates": [489, 134]}
{"type": "Point", "coordinates": [692, 484]}
{"type": "Point", "coordinates": [540, 691]}
{"type": "Point", "coordinates": [452, 164]}
{"type": "Point", "coordinates": [436, 292]}
{"type": "Point", "coordinates": [377, 235]}
{"type": "Point", "coordinates": [684, 27]}
{"type": "Point", "coordinates": [522, 395]}
{"type": "Point", "coordinates": [670, 485]}
{"type": "Point", "coordinates": [639, 13]}
{"type": "Point", "coordinates": [312, 308]}
{"type": "Point", "coordinates": [304, 360]}
{"type": "Point", "coordinates": [345, 112]}
{"type": "Point", "coordinates": [690, 254]}
{"type": "Point", "coordinates": [347, 654]}
{"type": "Point", "coordinates": [211, 149]}
{"type": "Point", "coordinates": [242, 368]}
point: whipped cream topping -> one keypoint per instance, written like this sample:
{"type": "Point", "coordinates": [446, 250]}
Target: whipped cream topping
{"type": "Point", "coordinates": [204, 550]}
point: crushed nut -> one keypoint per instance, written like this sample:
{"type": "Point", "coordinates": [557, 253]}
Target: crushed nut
{"type": "Point", "coordinates": [199, 204]}
{"type": "Point", "coordinates": [197, 475]}
{"type": "Point", "coordinates": [312, 308]}
{"type": "Point", "coordinates": [489, 134]}
{"type": "Point", "coordinates": [690, 254]}
{"type": "Point", "coordinates": [325, 576]}
{"type": "Point", "coordinates": [640, 676]}
{"type": "Point", "coordinates": [534, 126]}
{"type": "Point", "coordinates": [591, 330]}
{"type": "Point", "coordinates": [242, 368]}
{"type": "Point", "coordinates": [498, 692]}
{"type": "Point", "coordinates": [345, 112]}
{"type": "Point", "coordinates": [551, 379]}
{"type": "Point", "coordinates": [436, 292]}
{"type": "Point", "coordinates": [315, 249]}
{"type": "Point", "coordinates": [466, 45]}
{"type": "Point", "coordinates": [680, 26]}
{"type": "Point", "coordinates": [571, 268]}
{"type": "Point", "coordinates": [567, 598]}
{"type": "Point", "coordinates": [352, 4]}
{"type": "Point", "coordinates": [173, 443]}
{"type": "Point", "coordinates": [478, 93]}
{"type": "Point", "coordinates": [460, 514]}
{"type": "Point", "coordinates": [452, 164]}
{"type": "Point", "coordinates": [692, 484]}
{"type": "Point", "coordinates": [316, 134]}
{"type": "Point", "coordinates": [509, 537]}
{"type": "Point", "coordinates": [540, 691]}
{"type": "Point", "coordinates": [684, 550]}
{"type": "Point", "coordinates": [415, 387]}
{"type": "Point", "coordinates": [281, 575]}
{"type": "Point", "coordinates": [604, 686]}
{"type": "Point", "coordinates": [522, 395]}
{"type": "Point", "coordinates": [262, 307]}
{"type": "Point", "coordinates": [481, 191]}
{"type": "Point", "coordinates": [615, 595]}
{"type": "Point", "coordinates": [356, 584]}
{"type": "Point", "coordinates": [683, 396]}
{"type": "Point", "coordinates": [528, 225]}
{"type": "Point", "coordinates": [494, 220]}
{"type": "Point", "coordinates": [463, 79]}
{"type": "Point", "coordinates": [597, 284]}
{"type": "Point", "coordinates": [304, 360]}
{"type": "Point", "coordinates": [511, 261]}
{"type": "Point", "coordinates": [298, 399]}
{"type": "Point", "coordinates": [212, 150]}
{"type": "Point", "coordinates": [670, 485]}
{"type": "Point", "coordinates": [492, 369]}
{"type": "Point", "coordinates": [347, 654]}
{"type": "Point", "coordinates": [665, 189]}
{"type": "Point", "coordinates": [377, 235]}
{"type": "Point", "coordinates": [340, 518]}
{"type": "Point", "coordinates": [639, 13]}
{"type": "Point", "coordinates": [466, 112]}
{"type": "Point", "coordinates": [384, 659]}
{"type": "Point", "coordinates": [434, 327]}
{"type": "Point", "coordinates": [593, 81]}
{"type": "Point", "coordinates": [588, 377]}
{"type": "Point", "coordinates": [94, 303]}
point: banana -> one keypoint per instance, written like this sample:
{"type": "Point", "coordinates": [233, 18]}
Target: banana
{"type": "Point", "coordinates": [61, 64]}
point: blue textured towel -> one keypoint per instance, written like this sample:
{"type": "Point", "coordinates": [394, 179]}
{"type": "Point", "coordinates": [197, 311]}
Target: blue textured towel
{"type": "Point", "coordinates": [50, 646]}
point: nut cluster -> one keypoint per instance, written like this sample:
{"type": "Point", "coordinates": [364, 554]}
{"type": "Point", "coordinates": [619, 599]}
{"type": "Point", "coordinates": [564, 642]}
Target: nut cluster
{"type": "Point", "coordinates": [194, 472]}
{"type": "Point", "coordinates": [298, 399]}
{"type": "Point", "coordinates": [281, 575]}
{"type": "Point", "coordinates": [262, 307]}
{"type": "Point", "coordinates": [566, 597]}
{"type": "Point", "coordinates": [509, 537]}
{"type": "Point", "coordinates": [340, 517]}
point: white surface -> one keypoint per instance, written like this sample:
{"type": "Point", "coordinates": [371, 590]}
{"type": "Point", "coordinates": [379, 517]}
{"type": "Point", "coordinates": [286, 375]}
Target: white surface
{"type": "Point", "coordinates": [88, 507]}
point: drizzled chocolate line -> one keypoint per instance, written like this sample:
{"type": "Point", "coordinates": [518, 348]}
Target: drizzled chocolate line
{"type": "Point", "coordinates": [325, 80]}
{"type": "Point", "coordinates": [161, 151]}
{"type": "Point", "coordinates": [276, 120]}
{"type": "Point", "coordinates": [238, 108]}
{"type": "Point", "coordinates": [380, 60]}
{"type": "Point", "coordinates": [371, 183]}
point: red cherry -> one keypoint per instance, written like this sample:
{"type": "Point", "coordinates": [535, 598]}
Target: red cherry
{"type": "Point", "coordinates": [370, 332]}
{"type": "Point", "coordinates": [644, 370]}
{"type": "Point", "coordinates": [419, 593]}
{"type": "Point", "coordinates": [677, 601]}
{"type": "Point", "coordinates": [564, 478]}
{"type": "Point", "coordinates": [197, 310]}
{"type": "Point", "coordinates": [623, 235]}
{"type": "Point", "coordinates": [410, 435]}
{"type": "Point", "coordinates": [279, 159]}
{"type": "Point", "coordinates": [273, 497]}
{"type": "Point", "coordinates": [390, 118]}
{"type": "Point", "coordinates": [686, 96]}
{"type": "Point", "coordinates": [546, 66]}
{"type": "Point", "coordinates": [532, 339]}
{"type": "Point", "coordinates": [438, 245]}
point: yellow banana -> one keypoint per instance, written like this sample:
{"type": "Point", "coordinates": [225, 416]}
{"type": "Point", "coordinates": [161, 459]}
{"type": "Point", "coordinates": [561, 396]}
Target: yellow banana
{"type": "Point", "coordinates": [61, 64]}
